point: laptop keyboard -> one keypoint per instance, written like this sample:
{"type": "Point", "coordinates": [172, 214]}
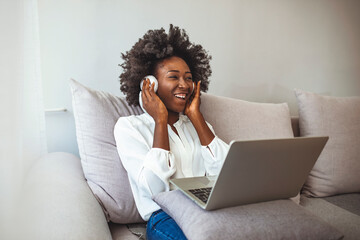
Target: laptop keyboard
{"type": "Point", "coordinates": [201, 193]}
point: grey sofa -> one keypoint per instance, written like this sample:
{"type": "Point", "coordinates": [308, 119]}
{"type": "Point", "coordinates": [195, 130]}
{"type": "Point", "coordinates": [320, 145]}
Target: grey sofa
{"type": "Point", "coordinates": [58, 204]}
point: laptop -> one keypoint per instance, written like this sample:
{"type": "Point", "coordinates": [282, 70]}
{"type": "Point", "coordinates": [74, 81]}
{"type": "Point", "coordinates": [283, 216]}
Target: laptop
{"type": "Point", "coordinates": [255, 171]}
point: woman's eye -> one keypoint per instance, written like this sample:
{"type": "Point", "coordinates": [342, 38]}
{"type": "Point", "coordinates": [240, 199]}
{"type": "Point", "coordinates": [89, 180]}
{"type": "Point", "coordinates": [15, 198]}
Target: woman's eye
{"type": "Point", "coordinates": [173, 77]}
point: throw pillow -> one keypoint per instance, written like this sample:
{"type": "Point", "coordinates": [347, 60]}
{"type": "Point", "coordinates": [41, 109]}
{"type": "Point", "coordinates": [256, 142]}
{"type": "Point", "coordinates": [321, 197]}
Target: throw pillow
{"type": "Point", "coordinates": [247, 120]}
{"type": "Point", "coordinates": [281, 219]}
{"type": "Point", "coordinates": [234, 119]}
{"type": "Point", "coordinates": [95, 114]}
{"type": "Point", "coordinates": [337, 169]}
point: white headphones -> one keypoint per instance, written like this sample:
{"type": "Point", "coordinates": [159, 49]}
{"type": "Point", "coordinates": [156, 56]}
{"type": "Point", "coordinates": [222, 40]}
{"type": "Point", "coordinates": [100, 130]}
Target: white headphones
{"type": "Point", "coordinates": [152, 80]}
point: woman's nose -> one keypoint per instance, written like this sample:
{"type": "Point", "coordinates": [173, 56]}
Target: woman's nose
{"type": "Point", "coordinates": [182, 83]}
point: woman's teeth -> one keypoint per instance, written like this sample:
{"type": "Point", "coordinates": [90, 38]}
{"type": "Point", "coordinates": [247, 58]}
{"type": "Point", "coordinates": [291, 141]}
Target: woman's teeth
{"type": "Point", "coordinates": [182, 96]}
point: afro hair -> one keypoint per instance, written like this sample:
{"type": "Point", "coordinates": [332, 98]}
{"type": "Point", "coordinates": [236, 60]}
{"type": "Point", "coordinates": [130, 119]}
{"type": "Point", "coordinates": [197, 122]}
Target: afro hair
{"type": "Point", "coordinates": [152, 48]}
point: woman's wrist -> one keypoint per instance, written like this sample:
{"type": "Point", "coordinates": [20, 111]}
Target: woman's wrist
{"type": "Point", "coordinates": [161, 137]}
{"type": "Point", "coordinates": [161, 120]}
{"type": "Point", "coordinates": [202, 129]}
{"type": "Point", "coordinates": [195, 116]}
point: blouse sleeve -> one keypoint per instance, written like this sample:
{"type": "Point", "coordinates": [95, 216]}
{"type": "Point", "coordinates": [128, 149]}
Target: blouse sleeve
{"type": "Point", "coordinates": [214, 154]}
{"type": "Point", "coordinates": [149, 169]}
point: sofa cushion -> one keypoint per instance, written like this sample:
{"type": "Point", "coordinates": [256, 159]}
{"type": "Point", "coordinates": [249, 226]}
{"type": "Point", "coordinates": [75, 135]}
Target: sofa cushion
{"type": "Point", "coordinates": [349, 202]}
{"type": "Point", "coordinates": [345, 221]}
{"type": "Point", "coordinates": [56, 202]}
{"type": "Point", "coordinates": [95, 115]}
{"type": "Point", "coordinates": [234, 119]}
{"type": "Point", "coordinates": [337, 169]}
{"type": "Point", "coordinates": [281, 219]}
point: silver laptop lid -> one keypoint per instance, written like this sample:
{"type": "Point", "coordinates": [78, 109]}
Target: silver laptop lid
{"type": "Point", "coordinates": [264, 170]}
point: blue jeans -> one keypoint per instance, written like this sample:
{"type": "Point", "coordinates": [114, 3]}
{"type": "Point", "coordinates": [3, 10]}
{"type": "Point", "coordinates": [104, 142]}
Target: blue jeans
{"type": "Point", "coordinates": [162, 226]}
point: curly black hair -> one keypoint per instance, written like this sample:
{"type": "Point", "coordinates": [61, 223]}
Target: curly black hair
{"type": "Point", "coordinates": [152, 48]}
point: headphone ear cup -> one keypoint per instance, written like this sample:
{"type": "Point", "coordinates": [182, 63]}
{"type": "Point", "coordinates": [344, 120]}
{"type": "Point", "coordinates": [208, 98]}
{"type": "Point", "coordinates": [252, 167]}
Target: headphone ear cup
{"type": "Point", "coordinates": [193, 88]}
{"type": "Point", "coordinates": [152, 79]}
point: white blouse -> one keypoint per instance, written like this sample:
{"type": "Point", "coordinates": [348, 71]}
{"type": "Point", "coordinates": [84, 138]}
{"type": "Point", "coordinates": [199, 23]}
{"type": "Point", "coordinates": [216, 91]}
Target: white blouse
{"type": "Point", "coordinates": [149, 169]}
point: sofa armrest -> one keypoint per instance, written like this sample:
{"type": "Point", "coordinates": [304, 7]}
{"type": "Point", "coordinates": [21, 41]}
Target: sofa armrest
{"type": "Point", "coordinates": [57, 203]}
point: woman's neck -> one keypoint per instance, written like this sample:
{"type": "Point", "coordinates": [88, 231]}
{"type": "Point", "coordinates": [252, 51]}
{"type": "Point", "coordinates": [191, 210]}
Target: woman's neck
{"type": "Point", "coordinates": [173, 117]}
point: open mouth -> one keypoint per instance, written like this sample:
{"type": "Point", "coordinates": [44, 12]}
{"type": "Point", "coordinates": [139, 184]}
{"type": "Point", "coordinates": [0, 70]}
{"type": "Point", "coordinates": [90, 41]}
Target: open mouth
{"type": "Point", "coordinates": [181, 96]}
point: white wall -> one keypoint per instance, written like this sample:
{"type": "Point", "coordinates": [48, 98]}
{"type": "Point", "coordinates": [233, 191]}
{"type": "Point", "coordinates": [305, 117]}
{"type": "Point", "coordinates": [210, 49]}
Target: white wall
{"type": "Point", "coordinates": [261, 49]}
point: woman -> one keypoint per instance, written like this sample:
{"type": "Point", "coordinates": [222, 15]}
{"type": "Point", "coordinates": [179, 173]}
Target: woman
{"type": "Point", "coordinates": [171, 139]}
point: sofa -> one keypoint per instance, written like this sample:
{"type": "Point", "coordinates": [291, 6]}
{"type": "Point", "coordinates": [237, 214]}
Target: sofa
{"type": "Point", "coordinates": [61, 202]}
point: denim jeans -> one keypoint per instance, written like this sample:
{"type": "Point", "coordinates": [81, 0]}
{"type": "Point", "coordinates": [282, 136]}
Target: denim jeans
{"type": "Point", "coordinates": [162, 226]}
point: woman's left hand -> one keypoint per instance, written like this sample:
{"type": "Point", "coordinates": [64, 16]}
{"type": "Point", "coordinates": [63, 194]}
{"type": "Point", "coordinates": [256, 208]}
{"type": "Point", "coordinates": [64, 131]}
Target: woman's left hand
{"type": "Point", "coordinates": [192, 111]}
{"type": "Point", "coordinates": [192, 108]}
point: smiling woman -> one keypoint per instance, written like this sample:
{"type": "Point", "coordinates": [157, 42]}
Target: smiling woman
{"type": "Point", "coordinates": [175, 80]}
{"type": "Point", "coordinates": [152, 49]}
{"type": "Point", "coordinates": [171, 139]}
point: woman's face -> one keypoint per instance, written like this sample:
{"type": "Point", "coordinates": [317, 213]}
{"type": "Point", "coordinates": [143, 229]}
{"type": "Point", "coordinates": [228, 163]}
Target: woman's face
{"type": "Point", "coordinates": [175, 83]}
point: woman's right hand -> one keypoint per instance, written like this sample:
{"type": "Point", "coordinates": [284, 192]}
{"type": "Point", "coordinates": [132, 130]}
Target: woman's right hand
{"type": "Point", "coordinates": [153, 104]}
